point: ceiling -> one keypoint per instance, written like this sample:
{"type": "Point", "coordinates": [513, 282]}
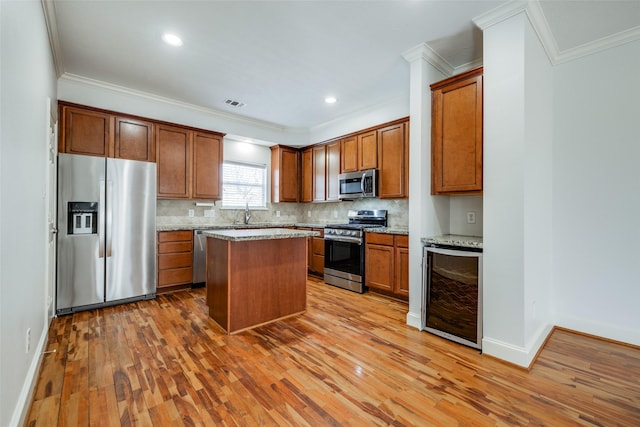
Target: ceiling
{"type": "Point", "coordinates": [282, 58]}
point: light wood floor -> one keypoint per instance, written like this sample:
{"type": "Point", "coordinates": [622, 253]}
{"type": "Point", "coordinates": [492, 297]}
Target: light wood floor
{"type": "Point", "coordinates": [350, 360]}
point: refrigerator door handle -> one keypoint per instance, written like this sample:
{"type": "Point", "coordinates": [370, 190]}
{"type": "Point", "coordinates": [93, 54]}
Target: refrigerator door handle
{"type": "Point", "coordinates": [101, 212]}
{"type": "Point", "coordinates": [109, 218]}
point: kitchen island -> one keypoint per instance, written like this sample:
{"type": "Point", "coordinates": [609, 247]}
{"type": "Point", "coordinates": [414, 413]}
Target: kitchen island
{"type": "Point", "coordinates": [256, 276]}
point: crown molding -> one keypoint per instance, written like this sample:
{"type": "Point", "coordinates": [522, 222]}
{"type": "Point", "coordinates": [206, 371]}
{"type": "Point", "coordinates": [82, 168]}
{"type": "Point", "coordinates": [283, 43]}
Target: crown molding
{"type": "Point", "coordinates": [500, 13]}
{"type": "Point", "coordinates": [615, 40]}
{"type": "Point", "coordinates": [49, 11]}
{"type": "Point", "coordinates": [541, 26]}
{"type": "Point", "coordinates": [85, 81]}
{"type": "Point", "coordinates": [468, 66]}
{"type": "Point", "coordinates": [426, 52]}
{"type": "Point", "coordinates": [358, 113]}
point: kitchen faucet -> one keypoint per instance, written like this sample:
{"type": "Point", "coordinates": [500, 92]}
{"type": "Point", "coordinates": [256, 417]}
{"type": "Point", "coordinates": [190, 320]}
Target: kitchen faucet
{"type": "Point", "coordinates": [247, 214]}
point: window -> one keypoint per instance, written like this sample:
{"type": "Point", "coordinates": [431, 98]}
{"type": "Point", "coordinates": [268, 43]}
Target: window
{"type": "Point", "coordinates": [244, 183]}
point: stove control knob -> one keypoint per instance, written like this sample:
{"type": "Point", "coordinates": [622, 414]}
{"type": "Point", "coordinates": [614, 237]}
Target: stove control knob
{"type": "Point", "coordinates": [353, 233]}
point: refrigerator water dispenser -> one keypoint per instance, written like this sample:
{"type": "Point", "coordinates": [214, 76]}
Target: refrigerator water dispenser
{"type": "Point", "coordinates": [83, 217]}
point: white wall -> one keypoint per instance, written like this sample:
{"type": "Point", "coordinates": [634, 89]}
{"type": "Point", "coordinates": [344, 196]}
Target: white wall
{"type": "Point", "coordinates": [126, 100]}
{"type": "Point", "coordinates": [517, 186]}
{"type": "Point", "coordinates": [596, 194]}
{"type": "Point", "coordinates": [27, 79]}
{"type": "Point", "coordinates": [396, 108]}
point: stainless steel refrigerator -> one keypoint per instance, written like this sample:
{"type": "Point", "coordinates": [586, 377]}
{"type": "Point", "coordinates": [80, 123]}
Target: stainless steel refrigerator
{"type": "Point", "coordinates": [106, 232]}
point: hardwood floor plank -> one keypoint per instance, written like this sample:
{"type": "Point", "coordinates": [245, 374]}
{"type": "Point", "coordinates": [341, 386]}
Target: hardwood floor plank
{"type": "Point", "coordinates": [350, 360]}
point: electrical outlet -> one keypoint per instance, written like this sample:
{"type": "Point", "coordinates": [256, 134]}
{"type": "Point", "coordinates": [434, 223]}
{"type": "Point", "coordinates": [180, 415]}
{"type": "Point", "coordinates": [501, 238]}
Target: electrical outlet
{"type": "Point", "coordinates": [209, 213]}
{"type": "Point", "coordinates": [192, 212]}
{"type": "Point", "coordinates": [278, 214]}
{"type": "Point", "coordinates": [471, 217]}
{"type": "Point", "coordinates": [335, 214]}
{"type": "Point", "coordinates": [27, 347]}
{"type": "Point", "coordinates": [309, 214]}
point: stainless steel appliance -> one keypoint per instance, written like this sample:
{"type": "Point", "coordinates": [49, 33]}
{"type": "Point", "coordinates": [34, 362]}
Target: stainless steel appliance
{"type": "Point", "coordinates": [344, 249]}
{"type": "Point", "coordinates": [452, 289]}
{"type": "Point", "coordinates": [106, 232]}
{"type": "Point", "coordinates": [199, 258]}
{"type": "Point", "coordinates": [358, 185]}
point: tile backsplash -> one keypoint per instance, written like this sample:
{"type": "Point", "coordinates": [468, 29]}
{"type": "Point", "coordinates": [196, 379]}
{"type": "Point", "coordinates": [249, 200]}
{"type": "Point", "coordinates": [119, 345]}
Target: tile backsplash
{"type": "Point", "coordinates": [171, 212]}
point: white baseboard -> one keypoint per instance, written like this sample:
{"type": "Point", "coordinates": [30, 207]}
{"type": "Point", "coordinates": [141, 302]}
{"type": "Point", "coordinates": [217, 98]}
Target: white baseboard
{"type": "Point", "coordinates": [28, 388]}
{"type": "Point", "coordinates": [521, 356]}
{"type": "Point", "coordinates": [413, 319]}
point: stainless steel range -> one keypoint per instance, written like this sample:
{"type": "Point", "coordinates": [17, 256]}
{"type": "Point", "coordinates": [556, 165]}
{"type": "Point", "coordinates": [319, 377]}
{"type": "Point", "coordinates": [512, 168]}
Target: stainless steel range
{"type": "Point", "coordinates": [344, 249]}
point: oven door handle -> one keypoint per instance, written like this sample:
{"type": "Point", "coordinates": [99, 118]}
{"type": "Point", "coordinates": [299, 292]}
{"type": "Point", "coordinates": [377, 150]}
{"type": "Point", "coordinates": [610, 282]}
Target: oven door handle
{"type": "Point", "coordinates": [344, 239]}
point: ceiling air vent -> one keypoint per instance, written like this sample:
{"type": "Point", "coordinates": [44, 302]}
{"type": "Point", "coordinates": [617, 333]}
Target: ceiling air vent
{"type": "Point", "coordinates": [233, 103]}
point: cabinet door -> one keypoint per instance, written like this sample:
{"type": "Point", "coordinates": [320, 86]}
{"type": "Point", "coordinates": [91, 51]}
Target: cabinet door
{"type": "Point", "coordinates": [349, 154]}
{"type": "Point", "coordinates": [368, 150]}
{"type": "Point", "coordinates": [333, 170]}
{"type": "Point", "coordinates": [86, 132]}
{"type": "Point", "coordinates": [457, 135]}
{"type": "Point", "coordinates": [306, 193]}
{"type": "Point", "coordinates": [379, 268]}
{"type": "Point", "coordinates": [284, 174]}
{"type": "Point", "coordinates": [319, 173]}
{"type": "Point", "coordinates": [173, 147]}
{"type": "Point", "coordinates": [207, 171]}
{"type": "Point", "coordinates": [401, 280]}
{"type": "Point", "coordinates": [134, 140]}
{"type": "Point", "coordinates": [393, 162]}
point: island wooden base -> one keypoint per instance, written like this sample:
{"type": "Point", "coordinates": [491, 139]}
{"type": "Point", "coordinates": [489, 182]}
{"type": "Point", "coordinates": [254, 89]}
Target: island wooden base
{"type": "Point", "coordinates": [253, 282]}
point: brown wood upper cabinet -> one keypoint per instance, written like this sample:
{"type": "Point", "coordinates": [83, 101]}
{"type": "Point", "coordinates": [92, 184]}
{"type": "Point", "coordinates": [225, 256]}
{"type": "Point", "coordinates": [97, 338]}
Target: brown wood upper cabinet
{"type": "Point", "coordinates": [393, 161]}
{"type": "Point", "coordinates": [332, 171]}
{"type": "Point", "coordinates": [456, 134]}
{"type": "Point", "coordinates": [189, 163]}
{"type": "Point", "coordinates": [134, 140]}
{"type": "Point", "coordinates": [85, 131]}
{"type": "Point", "coordinates": [320, 168]}
{"type": "Point", "coordinates": [359, 152]}
{"type": "Point", "coordinates": [306, 192]}
{"type": "Point", "coordinates": [285, 171]}
{"type": "Point", "coordinates": [319, 173]}
{"type": "Point", "coordinates": [94, 132]}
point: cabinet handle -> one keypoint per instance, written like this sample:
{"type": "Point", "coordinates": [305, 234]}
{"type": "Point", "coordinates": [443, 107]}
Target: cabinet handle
{"type": "Point", "coordinates": [109, 217]}
{"type": "Point", "coordinates": [101, 212]}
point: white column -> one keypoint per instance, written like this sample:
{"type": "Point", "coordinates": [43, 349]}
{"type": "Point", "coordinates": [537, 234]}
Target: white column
{"type": "Point", "coordinates": [428, 216]}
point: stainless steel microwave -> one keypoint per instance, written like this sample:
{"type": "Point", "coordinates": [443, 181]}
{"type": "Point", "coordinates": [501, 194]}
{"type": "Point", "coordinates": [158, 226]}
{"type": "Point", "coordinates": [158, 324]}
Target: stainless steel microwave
{"type": "Point", "coordinates": [358, 185]}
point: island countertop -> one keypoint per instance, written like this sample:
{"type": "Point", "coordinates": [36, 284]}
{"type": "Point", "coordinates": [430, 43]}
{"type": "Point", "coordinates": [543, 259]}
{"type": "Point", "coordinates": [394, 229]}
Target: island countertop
{"type": "Point", "coordinates": [259, 234]}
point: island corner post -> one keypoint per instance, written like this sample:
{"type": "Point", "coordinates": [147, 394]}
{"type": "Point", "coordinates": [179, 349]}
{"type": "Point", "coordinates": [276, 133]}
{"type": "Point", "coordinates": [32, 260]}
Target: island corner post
{"type": "Point", "coordinates": [253, 282]}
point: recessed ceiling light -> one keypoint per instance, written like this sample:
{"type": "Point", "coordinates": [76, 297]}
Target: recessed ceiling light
{"type": "Point", "coordinates": [172, 39]}
{"type": "Point", "coordinates": [330, 100]}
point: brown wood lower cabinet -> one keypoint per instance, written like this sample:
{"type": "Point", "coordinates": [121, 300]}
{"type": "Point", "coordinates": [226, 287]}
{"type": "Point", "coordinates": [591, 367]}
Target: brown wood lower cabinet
{"type": "Point", "coordinates": [175, 260]}
{"type": "Point", "coordinates": [387, 264]}
{"type": "Point", "coordinates": [315, 252]}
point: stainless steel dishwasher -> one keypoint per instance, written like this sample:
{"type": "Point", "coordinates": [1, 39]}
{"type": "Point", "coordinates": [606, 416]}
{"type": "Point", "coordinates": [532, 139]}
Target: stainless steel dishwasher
{"type": "Point", "coordinates": [199, 258]}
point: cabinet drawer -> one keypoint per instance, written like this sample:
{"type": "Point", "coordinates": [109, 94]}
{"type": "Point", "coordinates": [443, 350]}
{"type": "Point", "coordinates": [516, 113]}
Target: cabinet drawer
{"type": "Point", "coordinates": [380, 239]}
{"type": "Point", "coordinates": [402, 241]}
{"type": "Point", "coordinates": [175, 236]}
{"type": "Point", "coordinates": [170, 247]}
{"type": "Point", "coordinates": [175, 276]}
{"type": "Point", "coordinates": [166, 261]}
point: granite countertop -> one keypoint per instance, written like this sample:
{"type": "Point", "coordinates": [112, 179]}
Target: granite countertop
{"type": "Point", "coordinates": [388, 230]}
{"type": "Point", "coordinates": [259, 234]}
{"type": "Point", "coordinates": [455, 240]}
